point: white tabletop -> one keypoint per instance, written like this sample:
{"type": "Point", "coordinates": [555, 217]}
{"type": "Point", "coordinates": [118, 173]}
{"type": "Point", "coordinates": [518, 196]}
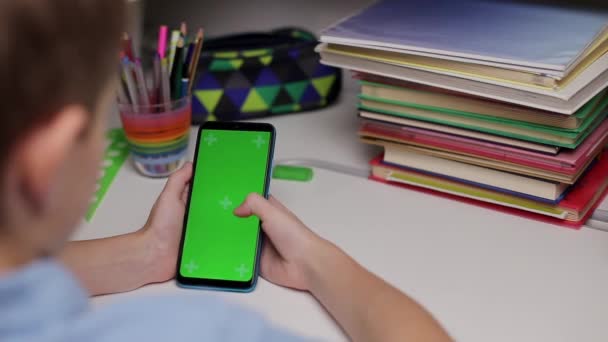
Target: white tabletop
{"type": "Point", "coordinates": [485, 275]}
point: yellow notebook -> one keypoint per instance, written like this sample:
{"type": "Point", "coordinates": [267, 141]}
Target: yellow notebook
{"type": "Point", "coordinates": [463, 190]}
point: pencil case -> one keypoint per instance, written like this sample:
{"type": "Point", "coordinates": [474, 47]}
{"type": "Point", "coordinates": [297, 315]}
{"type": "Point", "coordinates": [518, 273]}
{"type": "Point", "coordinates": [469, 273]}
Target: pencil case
{"type": "Point", "coordinates": [253, 75]}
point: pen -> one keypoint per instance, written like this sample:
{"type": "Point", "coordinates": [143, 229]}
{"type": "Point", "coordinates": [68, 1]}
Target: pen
{"type": "Point", "coordinates": [141, 83]}
{"type": "Point", "coordinates": [128, 77]}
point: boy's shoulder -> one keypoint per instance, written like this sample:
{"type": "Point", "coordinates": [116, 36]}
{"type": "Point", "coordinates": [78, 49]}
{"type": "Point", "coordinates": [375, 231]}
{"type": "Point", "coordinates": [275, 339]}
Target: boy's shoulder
{"type": "Point", "coordinates": [195, 316]}
{"type": "Point", "coordinates": [44, 302]}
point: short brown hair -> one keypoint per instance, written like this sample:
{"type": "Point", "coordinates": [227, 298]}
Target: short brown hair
{"type": "Point", "coordinates": [53, 53]}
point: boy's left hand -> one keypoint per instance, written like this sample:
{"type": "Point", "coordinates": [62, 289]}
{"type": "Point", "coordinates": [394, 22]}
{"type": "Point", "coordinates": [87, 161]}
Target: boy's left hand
{"type": "Point", "coordinates": [163, 230]}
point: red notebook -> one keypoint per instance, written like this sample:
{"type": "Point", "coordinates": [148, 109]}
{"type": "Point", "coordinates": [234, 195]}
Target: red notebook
{"type": "Point", "coordinates": [567, 162]}
{"type": "Point", "coordinates": [583, 197]}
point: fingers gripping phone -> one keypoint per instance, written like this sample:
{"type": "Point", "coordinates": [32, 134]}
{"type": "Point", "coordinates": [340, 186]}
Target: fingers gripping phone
{"type": "Point", "coordinates": [219, 250]}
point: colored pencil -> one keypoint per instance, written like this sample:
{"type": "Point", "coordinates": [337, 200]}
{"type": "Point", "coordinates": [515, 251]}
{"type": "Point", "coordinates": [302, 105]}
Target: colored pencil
{"type": "Point", "coordinates": [141, 83]}
{"type": "Point", "coordinates": [128, 77]}
{"type": "Point", "coordinates": [200, 37]}
{"type": "Point", "coordinates": [127, 46]}
{"type": "Point", "coordinates": [183, 29]}
{"type": "Point", "coordinates": [196, 54]}
{"type": "Point", "coordinates": [162, 41]}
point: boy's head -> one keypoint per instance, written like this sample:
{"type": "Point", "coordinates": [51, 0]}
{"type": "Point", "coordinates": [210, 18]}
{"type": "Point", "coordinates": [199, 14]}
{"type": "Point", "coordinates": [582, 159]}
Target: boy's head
{"type": "Point", "coordinates": [57, 64]}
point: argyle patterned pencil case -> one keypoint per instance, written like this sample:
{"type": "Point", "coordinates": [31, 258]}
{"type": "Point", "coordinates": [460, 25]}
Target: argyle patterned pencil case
{"type": "Point", "coordinates": [261, 74]}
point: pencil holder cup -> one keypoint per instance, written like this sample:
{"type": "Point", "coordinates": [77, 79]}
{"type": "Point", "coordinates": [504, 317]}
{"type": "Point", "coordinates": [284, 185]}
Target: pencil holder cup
{"type": "Point", "coordinates": [157, 135]}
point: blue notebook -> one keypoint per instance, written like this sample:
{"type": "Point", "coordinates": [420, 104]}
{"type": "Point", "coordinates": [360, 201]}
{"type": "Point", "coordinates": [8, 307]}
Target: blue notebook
{"type": "Point", "coordinates": [522, 34]}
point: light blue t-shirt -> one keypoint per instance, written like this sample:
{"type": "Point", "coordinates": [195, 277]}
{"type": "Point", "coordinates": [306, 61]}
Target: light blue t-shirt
{"type": "Point", "coordinates": [43, 302]}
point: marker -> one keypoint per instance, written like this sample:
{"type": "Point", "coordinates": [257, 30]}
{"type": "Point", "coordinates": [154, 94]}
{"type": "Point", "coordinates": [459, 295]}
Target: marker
{"type": "Point", "coordinates": [177, 70]}
{"type": "Point", "coordinates": [162, 41]}
{"type": "Point", "coordinates": [189, 54]}
{"type": "Point", "coordinates": [156, 88]}
{"type": "Point", "coordinates": [165, 86]}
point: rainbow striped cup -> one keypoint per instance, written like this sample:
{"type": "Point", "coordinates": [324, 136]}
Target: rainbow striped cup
{"type": "Point", "coordinates": [157, 135]}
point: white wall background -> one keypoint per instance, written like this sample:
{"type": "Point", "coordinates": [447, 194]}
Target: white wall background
{"type": "Point", "coordinates": [231, 16]}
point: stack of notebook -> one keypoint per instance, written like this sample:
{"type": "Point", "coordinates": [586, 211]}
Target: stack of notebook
{"type": "Point", "coordinates": [498, 104]}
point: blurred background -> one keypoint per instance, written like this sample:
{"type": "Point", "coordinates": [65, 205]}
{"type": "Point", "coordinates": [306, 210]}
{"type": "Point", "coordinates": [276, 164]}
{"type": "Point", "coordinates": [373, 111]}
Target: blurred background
{"type": "Point", "coordinates": [221, 16]}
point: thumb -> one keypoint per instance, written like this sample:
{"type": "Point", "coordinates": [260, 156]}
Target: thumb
{"type": "Point", "coordinates": [256, 205]}
{"type": "Point", "coordinates": [178, 181]}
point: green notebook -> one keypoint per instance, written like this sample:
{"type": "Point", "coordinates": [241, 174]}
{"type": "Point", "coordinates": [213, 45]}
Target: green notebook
{"type": "Point", "coordinates": [527, 132]}
{"type": "Point", "coordinates": [589, 109]}
{"type": "Point", "coordinates": [598, 105]}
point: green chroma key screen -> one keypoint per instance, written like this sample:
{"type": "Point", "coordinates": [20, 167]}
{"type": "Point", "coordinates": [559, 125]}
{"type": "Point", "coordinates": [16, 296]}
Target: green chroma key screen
{"type": "Point", "coordinates": [217, 244]}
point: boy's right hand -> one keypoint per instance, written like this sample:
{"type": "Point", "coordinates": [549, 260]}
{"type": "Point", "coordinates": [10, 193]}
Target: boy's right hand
{"type": "Point", "coordinates": [366, 307]}
{"type": "Point", "coordinates": [289, 247]}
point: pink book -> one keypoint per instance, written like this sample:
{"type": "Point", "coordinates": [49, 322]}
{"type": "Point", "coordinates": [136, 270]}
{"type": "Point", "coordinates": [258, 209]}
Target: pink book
{"type": "Point", "coordinates": [566, 161]}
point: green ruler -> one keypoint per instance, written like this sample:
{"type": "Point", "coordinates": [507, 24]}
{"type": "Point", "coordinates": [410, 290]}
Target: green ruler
{"type": "Point", "coordinates": [116, 153]}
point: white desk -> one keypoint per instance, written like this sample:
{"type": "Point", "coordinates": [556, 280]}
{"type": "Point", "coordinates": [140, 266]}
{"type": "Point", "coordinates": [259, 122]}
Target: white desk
{"type": "Point", "coordinates": [486, 276]}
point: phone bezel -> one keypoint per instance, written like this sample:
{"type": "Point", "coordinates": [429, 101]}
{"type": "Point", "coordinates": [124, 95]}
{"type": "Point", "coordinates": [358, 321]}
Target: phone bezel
{"type": "Point", "coordinates": [218, 284]}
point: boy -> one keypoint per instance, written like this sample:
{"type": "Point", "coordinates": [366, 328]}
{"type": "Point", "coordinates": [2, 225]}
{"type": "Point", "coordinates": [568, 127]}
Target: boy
{"type": "Point", "coordinates": [57, 61]}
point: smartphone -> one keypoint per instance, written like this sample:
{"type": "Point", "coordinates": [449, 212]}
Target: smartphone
{"type": "Point", "coordinates": [219, 250]}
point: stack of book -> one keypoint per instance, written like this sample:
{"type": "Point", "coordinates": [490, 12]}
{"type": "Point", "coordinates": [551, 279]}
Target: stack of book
{"type": "Point", "coordinates": [498, 104]}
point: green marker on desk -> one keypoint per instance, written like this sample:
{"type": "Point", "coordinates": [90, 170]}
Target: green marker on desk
{"type": "Point", "coordinates": [292, 173]}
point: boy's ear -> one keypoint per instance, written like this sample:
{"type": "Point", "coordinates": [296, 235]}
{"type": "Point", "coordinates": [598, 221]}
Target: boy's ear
{"type": "Point", "coordinates": [42, 152]}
